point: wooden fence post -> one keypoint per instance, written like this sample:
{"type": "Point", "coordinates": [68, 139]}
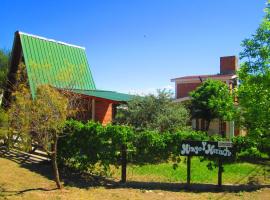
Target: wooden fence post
{"type": "Point", "coordinates": [188, 169]}
{"type": "Point", "coordinates": [219, 172]}
{"type": "Point", "coordinates": [124, 164]}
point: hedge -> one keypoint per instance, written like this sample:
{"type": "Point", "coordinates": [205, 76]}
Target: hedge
{"type": "Point", "coordinates": [86, 145]}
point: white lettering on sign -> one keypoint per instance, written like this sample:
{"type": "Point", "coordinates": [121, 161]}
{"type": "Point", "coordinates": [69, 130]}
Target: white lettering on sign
{"type": "Point", "coordinates": [207, 149]}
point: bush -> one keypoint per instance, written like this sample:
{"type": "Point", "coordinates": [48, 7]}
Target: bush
{"type": "Point", "coordinates": [150, 147]}
{"type": "Point", "coordinates": [90, 144]}
{"type": "Point", "coordinates": [154, 112]}
{"type": "Point", "coordinates": [86, 145]}
{"type": "Point", "coordinates": [265, 145]}
{"type": "Point", "coordinates": [249, 148]}
{"type": "Point", "coordinates": [250, 154]}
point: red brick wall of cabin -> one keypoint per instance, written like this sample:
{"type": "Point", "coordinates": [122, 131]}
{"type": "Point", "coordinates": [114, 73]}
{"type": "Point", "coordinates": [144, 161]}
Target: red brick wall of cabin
{"type": "Point", "coordinates": [104, 112]}
{"type": "Point", "coordinates": [84, 109]}
{"type": "Point", "coordinates": [183, 89]}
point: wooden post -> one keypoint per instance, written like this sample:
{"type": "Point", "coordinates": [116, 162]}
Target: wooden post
{"type": "Point", "coordinates": [124, 164]}
{"type": "Point", "coordinates": [188, 169]}
{"type": "Point", "coordinates": [219, 172]}
{"type": "Point", "coordinates": [93, 109]}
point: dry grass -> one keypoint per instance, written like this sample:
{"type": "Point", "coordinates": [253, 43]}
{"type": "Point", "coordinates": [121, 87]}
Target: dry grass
{"type": "Point", "coordinates": [30, 181]}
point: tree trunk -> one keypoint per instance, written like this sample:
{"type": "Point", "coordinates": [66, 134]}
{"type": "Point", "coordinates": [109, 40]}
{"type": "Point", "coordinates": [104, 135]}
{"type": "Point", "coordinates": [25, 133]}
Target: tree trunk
{"type": "Point", "coordinates": [54, 164]}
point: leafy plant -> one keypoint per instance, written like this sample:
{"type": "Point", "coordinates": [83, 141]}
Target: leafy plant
{"type": "Point", "coordinates": [4, 59]}
{"type": "Point", "coordinates": [254, 77]}
{"type": "Point", "coordinates": [212, 100]}
{"type": "Point", "coordinates": [154, 113]}
{"type": "Point", "coordinates": [88, 145]}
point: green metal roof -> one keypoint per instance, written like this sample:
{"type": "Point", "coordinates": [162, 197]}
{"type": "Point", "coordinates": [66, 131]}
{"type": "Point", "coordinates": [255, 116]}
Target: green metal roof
{"type": "Point", "coordinates": [111, 95]}
{"type": "Point", "coordinates": [61, 65]}
{"type": "Point", "coordinates": [56, 63]}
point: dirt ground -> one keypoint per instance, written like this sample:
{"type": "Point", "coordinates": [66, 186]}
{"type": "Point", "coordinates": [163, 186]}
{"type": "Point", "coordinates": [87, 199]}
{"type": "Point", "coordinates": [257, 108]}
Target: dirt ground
{"type": "Point", "coordinates": [131, 194]}
{"type": "Point", "coordinates": [161, 195]}
{"type": "Point", "coordinates": [30, 180]}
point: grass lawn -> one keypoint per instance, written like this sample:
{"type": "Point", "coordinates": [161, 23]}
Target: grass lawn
{"type": "Point", "coordinates": [33, 181]}
{"type": "Point", "coordinates": [237, 173]}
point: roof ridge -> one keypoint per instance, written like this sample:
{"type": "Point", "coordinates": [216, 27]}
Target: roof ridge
{"type": "Point", "coordinates": [50, 40]}
{"type": "Point", "coordinates": [204, 76]}
{"type": "Point", "coordinates": [99, 90]}
{"type": "Point", "coordinates": [209, 75]}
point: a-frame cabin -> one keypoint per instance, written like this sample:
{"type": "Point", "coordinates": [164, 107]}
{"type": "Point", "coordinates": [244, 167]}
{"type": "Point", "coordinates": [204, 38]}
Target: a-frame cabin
{"type": "Point", "coordinates": [63, 66]}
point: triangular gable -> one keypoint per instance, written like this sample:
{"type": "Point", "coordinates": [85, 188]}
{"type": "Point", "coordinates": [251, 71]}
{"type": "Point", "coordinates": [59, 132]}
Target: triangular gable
{"type": "Point", "coordinates": [56, 63]}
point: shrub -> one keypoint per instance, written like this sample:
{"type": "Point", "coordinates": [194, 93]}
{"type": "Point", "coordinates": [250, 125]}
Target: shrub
{"type": "Point", "coordinates": [249, 148]}
{"type": "Point", "coordinates": [90, 144]}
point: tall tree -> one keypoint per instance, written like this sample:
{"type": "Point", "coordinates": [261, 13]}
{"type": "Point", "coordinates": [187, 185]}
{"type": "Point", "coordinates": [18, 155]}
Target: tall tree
{"type": "Point", "coordinates": [4, 59]}
{"type": "Point", "coordinates": [254, 76]}
{"type": "Point", "coordinates": [38, 120]}
{"type": "Point", "coordinates": [49, 111]}
{"type": "Point", "coordinates": [212, 100]}
{"type": "Point", "coordinates": [154, 112]}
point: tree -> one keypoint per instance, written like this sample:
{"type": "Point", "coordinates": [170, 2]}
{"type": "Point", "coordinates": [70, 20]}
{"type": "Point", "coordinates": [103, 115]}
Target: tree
{"type": "Point", "coordinates": [154, 112]}
{"type": "Point", "coordinates": [15, 121]}
{"type": "Point", "coordinates": [212, 100]}
{"type": "Point", "coordinates": [254, 77]}
{"type": "Point", "coordinates": [4, 59]}
{"type": "Point", "coordinates": [49, 111]}
{"type": "Point", "coordinates": [3, 125]}
{"type": "Point", "coordinates": [40, 120]}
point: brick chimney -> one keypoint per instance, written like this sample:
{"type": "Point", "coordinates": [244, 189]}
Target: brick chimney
{"type": "Point", "coordinates": [228, 64]}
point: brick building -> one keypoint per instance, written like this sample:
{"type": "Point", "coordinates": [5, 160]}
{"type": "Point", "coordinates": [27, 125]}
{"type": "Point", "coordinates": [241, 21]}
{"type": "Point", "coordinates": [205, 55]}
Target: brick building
{"type": "Point", "coordinates": [184, 85]}
{"type": "Point", "coordinates": [65, 67]}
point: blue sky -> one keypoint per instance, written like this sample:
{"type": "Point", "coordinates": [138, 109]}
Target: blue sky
{"type": "Point", "coordinates": [139, 45]}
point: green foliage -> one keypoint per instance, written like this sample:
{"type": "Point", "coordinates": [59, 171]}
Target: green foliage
{"type": "Point", "coordinates": [150, 147]}
{"type": "Point", "coordinates": [212, 100]}
{"type": "Point", "coordinates": [249, 148]}
{"type": "Point", "coordinates": [89, 145]}
{"type": "Point", "coordinates": [40, 119]}
{"type": "Point", "coordinates": [241, 143]}
{"type": "Point", "coordinates": [154, 112]}
{"type": "Point", "coordinates": [86, 145]}
{"type": "Point", "coordinates": [4, 59]}
{"type": "Point", "coordinates": [254, 76]}
{"type": "Point", "coordinates": [49, 111]}
{"type": "Point", "coordinates": [250, 154]}
{"type": "Point", "coordinates": [3, 125]}
{"type": "Point", "coordinates": [19, 119]}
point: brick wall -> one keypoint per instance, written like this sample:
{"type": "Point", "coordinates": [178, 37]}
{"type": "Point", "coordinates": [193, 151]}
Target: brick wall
{"type": "Point", "coordinates": [84, 109]}
{"type": "Point", "coordinates": [183, 89]}
{"type": "Point", "coordinates": [104, 112]}
{"type": "Point", "coordinates": [228, 64]}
